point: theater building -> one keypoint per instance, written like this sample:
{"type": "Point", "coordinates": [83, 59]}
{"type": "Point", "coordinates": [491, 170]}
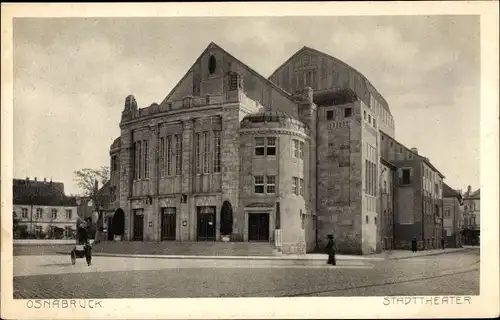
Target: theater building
{"type": "Point", "coordinates": [297, 156]}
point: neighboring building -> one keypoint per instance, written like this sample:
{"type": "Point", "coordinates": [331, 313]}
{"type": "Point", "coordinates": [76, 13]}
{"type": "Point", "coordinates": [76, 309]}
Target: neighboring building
{"type": "Point", "coordinates": [43, 210]}
{"type": "Point", "coordinates": [294, 166]}
{"type": "Point", "coordinates": [387, 212]}
{"type": "Point", "coordinates": [452, 217]}
{"type": "Point", "coordinates": [472, 216]}
{"type": "Point", "coordinates": [418, 194]}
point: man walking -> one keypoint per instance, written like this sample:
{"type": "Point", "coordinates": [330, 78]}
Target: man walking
{"type": "Point", "coordinates": [330, 249]}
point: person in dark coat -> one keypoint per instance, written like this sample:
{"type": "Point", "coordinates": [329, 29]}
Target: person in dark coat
{"type": "Point", "coordinates": [442, 243]}
{"type": "Point", "coordinates": [330, 249]}
{"type": "Point", "coordinates": [414, 245]}
{"type": "Point", "coordinates": [83, 239]}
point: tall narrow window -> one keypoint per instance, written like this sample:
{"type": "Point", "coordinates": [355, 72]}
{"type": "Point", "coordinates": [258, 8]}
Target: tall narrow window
{"type": "Point", "coordinates": [329, 115]}
{"type": "Point", "coordinates": [301, 187]}
{"type": "Point", "coordinates": [366, 177]}
{"type": "Point", "coordinates": [169, 155]}
{"type": "Point", "coordinates": [347, 112]}
{"type": "Point", "coordinates": [146, 159]}
{"type": "Point", "coordinates": [138, 161]}
{"type": "Point", "coordinates": [217, 151]}
{"type": "Point", "coordinates": [178, 154]}
{"type": "Point", "coordinates": [206, 158]}
{"type": "Point", "coordinates": [295, 187]}
{"type": "Point", "coordinates": [259, 184]}
{"type": "Point", "coordinates": [198, 152]}
{"type": "Point", "coordinates": [259, 146]}
{"type": "Point", "coordinates": [162, 157]}
{"type": "Point", "coordinates": [295, 146]}
{"type": "Point", "coordinates": [301, 149]}
{"type": "Point", "coordinates": [271, 146]}
{"type": "Point", "coordinates": [271, 184]}
{"type": "Point", "coordinates": [54, 214]}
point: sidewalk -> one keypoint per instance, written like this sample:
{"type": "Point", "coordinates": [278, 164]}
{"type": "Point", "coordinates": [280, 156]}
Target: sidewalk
{"type": "Point", "coordinates": [388, 255]}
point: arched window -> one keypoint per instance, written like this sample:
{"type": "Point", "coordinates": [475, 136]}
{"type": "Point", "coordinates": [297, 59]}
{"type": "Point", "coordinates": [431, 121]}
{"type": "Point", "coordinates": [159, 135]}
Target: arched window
{"type": "Point", "coordinates": [212, 64]}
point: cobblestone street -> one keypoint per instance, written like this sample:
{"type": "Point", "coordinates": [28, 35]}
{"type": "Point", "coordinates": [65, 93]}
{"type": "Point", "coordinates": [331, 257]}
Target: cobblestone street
{"type": "Point", "coordinates": [117, 277]}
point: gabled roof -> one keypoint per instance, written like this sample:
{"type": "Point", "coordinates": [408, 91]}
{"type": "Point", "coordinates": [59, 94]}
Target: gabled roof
{"type": "Point", "coordinates": [39, 194]}
{"type": "Point", "coordinates": [368, 84]}
{"type": "Point", "coordinates": [473, 195]}
{"type": "Point", "coordinates": [213, 45]}
{"type": "Point", "coordinates": [448, 192]}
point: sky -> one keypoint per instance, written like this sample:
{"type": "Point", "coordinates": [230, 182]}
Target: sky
{"type": "Point", "coordinates": [71, 77]}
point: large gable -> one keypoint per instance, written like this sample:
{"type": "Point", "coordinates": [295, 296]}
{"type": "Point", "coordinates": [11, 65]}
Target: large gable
{"type": "Point", "coordinates": [207, 76]}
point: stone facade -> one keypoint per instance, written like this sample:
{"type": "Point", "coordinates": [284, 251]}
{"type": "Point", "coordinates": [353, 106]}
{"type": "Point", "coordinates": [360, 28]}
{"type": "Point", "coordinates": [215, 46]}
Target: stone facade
{"type": "Point", "coordinates": [452, 217]}
{"type": "Point", "coordinates": [298, 157]}
{"type": "Point", "coordinates": [418, 196]}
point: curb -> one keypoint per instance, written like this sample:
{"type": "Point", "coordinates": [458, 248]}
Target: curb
{"type": "Point", "coordinates": [261, 258]}
{"type": "Point", "coordinates": [428, 254]}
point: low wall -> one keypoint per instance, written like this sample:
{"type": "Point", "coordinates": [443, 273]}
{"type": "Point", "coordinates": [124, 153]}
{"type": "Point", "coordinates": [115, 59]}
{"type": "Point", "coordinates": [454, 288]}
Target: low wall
{"type": "Point", "coordinates": [42, 241]}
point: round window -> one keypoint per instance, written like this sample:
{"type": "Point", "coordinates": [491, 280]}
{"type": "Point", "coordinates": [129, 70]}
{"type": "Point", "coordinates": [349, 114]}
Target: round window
{"type": "Point", "coordinates": [211, 64]}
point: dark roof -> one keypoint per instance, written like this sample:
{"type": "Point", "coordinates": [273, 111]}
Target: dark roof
{"type": "Point", "coordinates": [448, 192]}
{"type": "Point", "coordinates": [368, 84]}
{"type": "Point", "coordinates": [473, 195]}
{"type": "Point", "coordinates": [268, 116]}
{"type": "Point", "coordinates": [27, 192]}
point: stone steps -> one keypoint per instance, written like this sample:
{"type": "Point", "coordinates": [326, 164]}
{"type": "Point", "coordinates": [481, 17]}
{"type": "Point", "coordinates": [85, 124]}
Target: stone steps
{"type": "Point", "coordinates": [187, 248]}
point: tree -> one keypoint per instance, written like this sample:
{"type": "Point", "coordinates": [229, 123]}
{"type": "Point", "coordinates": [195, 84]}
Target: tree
{"type": "Point", "coordinates": [87, 179]}
{"type": "Point", "coordinates": [226, 216]}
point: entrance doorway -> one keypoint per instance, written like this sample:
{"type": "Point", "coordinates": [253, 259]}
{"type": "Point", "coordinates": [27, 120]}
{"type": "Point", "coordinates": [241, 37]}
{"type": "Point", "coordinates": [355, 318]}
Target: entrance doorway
{"type": "Point", "coordinates": [258, 227]}
{"type": "Point", "coordinates": [138, 225]}
{"type": "Point", "coordinates": [206, 224]}
{"type": "Point", "coordinates": [168, 223]}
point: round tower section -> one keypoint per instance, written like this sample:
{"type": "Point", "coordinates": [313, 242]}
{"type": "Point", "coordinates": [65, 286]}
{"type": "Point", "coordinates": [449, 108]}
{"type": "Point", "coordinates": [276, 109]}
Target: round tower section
{"type": "Point", "coordinates": [274, 180]}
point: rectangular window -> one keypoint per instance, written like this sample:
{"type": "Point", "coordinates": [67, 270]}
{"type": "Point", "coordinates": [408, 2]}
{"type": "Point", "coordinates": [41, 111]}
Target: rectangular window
{"type": "Point", "coordinates": [259, 146]}
{"type": "Point", "coordinates": [197, 146]}
{"type": "Point", "coordinates": [38, 231]}
{"type": "Point", "coordinates": [347, 112]}
{"type": "Point", "coordinates": [69, 214]}
{"type": "Point", "coordinates": [364, 114]}
{"type": "Point", "coordinates": [178, 154]}
{"type": "Point", "coordinates": [374, 122]}
{"type": "Point", "coordinates": [271, 184]}
{"type": "Point", "coordinates": [295, 182]}
{"type": "Point", "coordinates": [406, 176]}
{"type": "Point", "coordinates": [39, 213]}
{"type": "Point", "coordinates": [54, 214]}
{"type": "Point", "coordinates": [295, 148]}
{"type": "Point", "coordinates": [369, 119]}
{"type": "Point", "coordinates": [162, 157]}
{"type": "Point", "coordinates": [169, 155]}
{"type": "Point", "coordinates": [366, 177]}
{"type": "Point", "coordinates": [301, 187]}
{"type": "Point", "coordinates": [217, 151]}
{"type": "Point", "coordinates": [24, 213]}
{"type": "Point", "coordinates": [259, 184]}
{"type": "Point", "coordinates": [206, 158]}
{"type": "Point", "coordinates": [301, 150]}
{"type": "Point", "coordinates": [329, 115]}
{"type": "Point", "coordinates": [271, 146]}
{"type": "Point", "coordinates": [146, 160]}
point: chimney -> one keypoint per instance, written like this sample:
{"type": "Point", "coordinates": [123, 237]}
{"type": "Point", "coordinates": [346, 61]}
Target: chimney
{"type": "Point", "coordinates": [414, 150]}
{"type": "Point", "coordinates": [35, 179]}
{"type": "Point", "coordinates": [44, 180]}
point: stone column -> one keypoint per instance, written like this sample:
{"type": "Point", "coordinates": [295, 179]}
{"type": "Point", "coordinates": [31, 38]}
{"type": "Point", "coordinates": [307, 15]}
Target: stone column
{"type": "Point", "coordinates": [186, 208]}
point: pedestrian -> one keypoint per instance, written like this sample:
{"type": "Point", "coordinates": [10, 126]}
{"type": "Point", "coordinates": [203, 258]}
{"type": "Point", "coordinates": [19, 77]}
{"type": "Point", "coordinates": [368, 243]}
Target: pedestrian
{"type": "Point", "coordinates": [414, 244]}
{"type": "Point", "coordinates": [83, 239]}
{"type": "Point", "coordinates": [330, 249]}
{"type": "Point", "coordinates": [442, 243]}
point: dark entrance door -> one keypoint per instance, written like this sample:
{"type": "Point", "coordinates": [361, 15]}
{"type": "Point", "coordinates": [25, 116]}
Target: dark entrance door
{"type": "Point", "coordinates": [110, 228]}
{"type": "Point", "coordinates": [258, 227]}
{"type": "Point", "coordinates": [138, 225]}
{"type": "Point", "coordinates": [168, 223]}
{"type": "Point", "coordinates": [206, 224]}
